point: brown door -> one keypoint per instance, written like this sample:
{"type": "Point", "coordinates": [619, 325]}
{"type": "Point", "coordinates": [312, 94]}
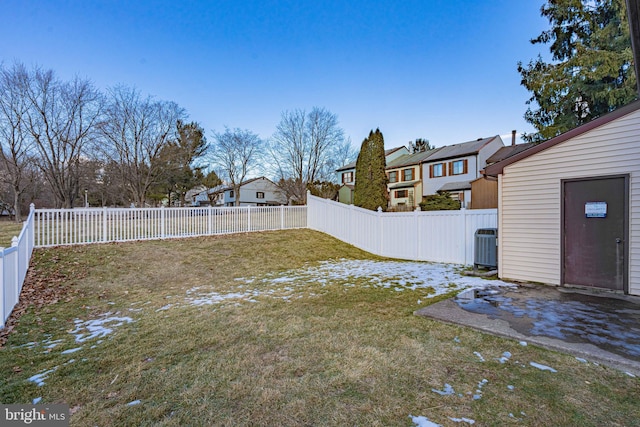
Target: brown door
{"type": "Point", "coordinates": [595, 232]}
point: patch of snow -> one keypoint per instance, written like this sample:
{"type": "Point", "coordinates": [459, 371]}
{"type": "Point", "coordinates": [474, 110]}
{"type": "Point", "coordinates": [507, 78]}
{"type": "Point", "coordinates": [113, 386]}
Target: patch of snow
{"type": "Point", "coordinates": [52, 344]}
{"type": "Point", "coordinates": [456, 339]}
{"type": "Point", "coordinates": [481, 384]}
{"type": "Point", "coordinates": [437, 278]}
{"type": "Point", "coordinates": [505, 357]}
{"type": "Point", "coordinates": [448, 390]}
{"type": "Point", "coordinates": [580, 359]}
{"type": "Point", "coordinates": [510, 387]}
{"type": "Point", "coordinates": [630, 374]}
{"type": "Point", "coordinates": [98, 328]}
{"type": "Point", "coordinates": [39, 378]}
{"type": "Point", "coordinates": [216, 298]}
{"type": "Point", "coordinates": [479, 356]}
{"type": "Point", "coordinates": [542, 367]}
{"type": "Point", "coordinates": [36, 400]}
{"type": "Point", "coordinates": [31, 344]}
{"type": "Point", "coordinates": [421, 421]}
{"type": "Point", "coordinates": [71, 350]}
{"type": "Point", "coordinates": [523, 343]}
{"type": "Point", "coordinates": [133, 403]}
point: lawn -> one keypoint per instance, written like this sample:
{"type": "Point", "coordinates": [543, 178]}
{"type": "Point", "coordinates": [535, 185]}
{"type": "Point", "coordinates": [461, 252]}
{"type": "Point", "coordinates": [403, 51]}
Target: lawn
{"type": "Point", "coordinates": [9, 230]}
{"type": "Point", "coordinates": [283, 328]}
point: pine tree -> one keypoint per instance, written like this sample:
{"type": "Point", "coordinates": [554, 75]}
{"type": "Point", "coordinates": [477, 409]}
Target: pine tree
{"type": "Point", "coordinates": [379, 195]}
{"type": "Point", "coordinates": [361, 190]}
{"type": "Point", "coordinates": [591, 73]}
{"type": "Point", "coordinates": [371, 180]}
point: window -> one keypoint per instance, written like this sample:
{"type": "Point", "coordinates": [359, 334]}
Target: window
{"type": "Point", "coordinates": [407, 174]}
{"type": "Point", "coordinates": [231, 193]}
{"type": "Point", "coordinates": [259, 195]}
{"type": "Point", "coordinates": [437, 170]}
{"type": "Point", "coordinates": [393, 176]}
{"type": "Point", "coordinates": [400, 194]}
{"type": "Point", "coordinates": [347, 177]}
{"type": "Point", "coordinates": [458, 167]}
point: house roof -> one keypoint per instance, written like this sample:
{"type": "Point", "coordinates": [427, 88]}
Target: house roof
{"type": "Point", "coordinates": [462, 149]}
{"type": "Point", "coordinates": [497, 168]}
{"type": "Point", "coordinates": [452, 186]}
{"type": "Point", "coordinates": [229, 187]}
{"type": "Point", "coordinates": [403, 184]}
{"type": "Point", "coordinates": [508, 151]}
{"type": "Point", "coordinates": [348, 166]}
{"type": "Point", "coordinates": [387, 153]}
{"type": "Point", "coordinates": [411, 159]}
{"type": "Point", "coordinates": [390, 151]}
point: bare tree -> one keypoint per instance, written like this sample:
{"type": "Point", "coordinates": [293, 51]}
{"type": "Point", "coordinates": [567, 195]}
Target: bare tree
{"type": "Point", "coordinates": [309, 147]}
{"type": "Point", "coordinates": [61, 119]}
{"type": "Point", "coordinates": [15, 143]}
{"type": "Point", "coordinates": [135, 131]}
{"type": "Point", "coordinates": [235, 154]}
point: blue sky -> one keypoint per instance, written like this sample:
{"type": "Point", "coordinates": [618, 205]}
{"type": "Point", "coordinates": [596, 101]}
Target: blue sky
{"type": "Point", "coordinates": [444, 70]}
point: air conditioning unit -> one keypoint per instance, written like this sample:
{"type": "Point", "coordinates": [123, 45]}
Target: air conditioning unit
{"type": "Point", "coordinates": [486, 248]}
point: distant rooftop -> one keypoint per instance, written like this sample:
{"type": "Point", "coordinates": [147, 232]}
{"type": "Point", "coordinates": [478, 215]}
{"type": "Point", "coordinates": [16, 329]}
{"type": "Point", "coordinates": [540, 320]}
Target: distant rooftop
{"type": "Point", "coordinates": [508, 151]}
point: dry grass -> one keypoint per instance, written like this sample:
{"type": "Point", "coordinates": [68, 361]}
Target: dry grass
{"type": "Point", "coordinates": [9, 230]}
{"type": "Point", "coordinates": [346, 356]}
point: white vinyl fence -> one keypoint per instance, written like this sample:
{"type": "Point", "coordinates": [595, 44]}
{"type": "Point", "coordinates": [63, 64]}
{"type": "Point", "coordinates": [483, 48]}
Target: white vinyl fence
{"type": "Point", "coordinates": [443, 236]}
{"type": "Point", "coordinates": [438, 236]}
{"type": "Point", "coordinates": [13, 268]}
{"type": "Point", "coordinates": [55, 227]}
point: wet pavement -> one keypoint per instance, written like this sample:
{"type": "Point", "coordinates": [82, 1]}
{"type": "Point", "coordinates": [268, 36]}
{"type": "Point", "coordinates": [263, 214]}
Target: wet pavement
{"type": "Point", "coordinates": [604, 327]}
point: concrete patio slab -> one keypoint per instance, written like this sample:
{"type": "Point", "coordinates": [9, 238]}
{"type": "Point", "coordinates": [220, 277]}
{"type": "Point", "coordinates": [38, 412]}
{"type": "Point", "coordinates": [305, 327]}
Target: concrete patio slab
{"type": "Point", "coordinates": [600, 327]}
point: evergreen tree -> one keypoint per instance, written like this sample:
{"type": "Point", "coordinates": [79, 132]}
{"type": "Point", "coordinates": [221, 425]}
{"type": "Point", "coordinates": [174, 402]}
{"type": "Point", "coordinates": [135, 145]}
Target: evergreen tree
{"type": "Point", "coordinates": [371, 180]}
{"type": "Point", "coordinates": [361, 190]}
{"type": "Point", "coordinates": [420, 145]}
{"type": "Point", "coordinates": [591, 73]}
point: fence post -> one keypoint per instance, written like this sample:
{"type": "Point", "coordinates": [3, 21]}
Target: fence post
{"type": "Point", "coordinates": [281, 217]}
{"type": "Point", "coordinates": [16, 266]}
{"type": "Point", "coordinates": [248, 218]}
{"type": "Point", "coordinates": [209, 221]}
{"type": "Point", "coordinates": [32, 229]}
{"type": "Point", "coordinates": [162, 222]}
{"type": "Point", "coordinates": [104, 223]}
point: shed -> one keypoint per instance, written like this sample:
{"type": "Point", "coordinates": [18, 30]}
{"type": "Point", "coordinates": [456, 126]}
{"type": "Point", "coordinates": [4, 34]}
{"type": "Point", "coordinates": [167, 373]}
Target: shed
{"type": "Point", "coordinates": [569, 208]}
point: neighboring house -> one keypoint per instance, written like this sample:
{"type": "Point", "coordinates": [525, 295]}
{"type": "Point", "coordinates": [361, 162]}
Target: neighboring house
{"type": "Point", "coordinates": [197, 196]}
{"type": "Point", "coordinates": [209, 197]}
{"type": "Point", "coordinates": [452, 168]}
{"type": "Point", "coordinates": [255, 192]}
{"type": "Point", "coordinates": [345, 193]}
{"type": "Point", "coordinates": [347, 174]}
{"type": "Point", "coordinates": [405, 179]}
{"type": "Point", "coordinates": [485, 188]}
{"type": "Point", "coordinates": [568, 209]}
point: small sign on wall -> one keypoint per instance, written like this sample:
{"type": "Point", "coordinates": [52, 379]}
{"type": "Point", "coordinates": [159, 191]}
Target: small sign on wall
{"type": "Point", "coordinates": [595, 209]}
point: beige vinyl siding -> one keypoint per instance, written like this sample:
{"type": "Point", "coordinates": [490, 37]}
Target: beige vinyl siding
{"type": "Point", "coordinates": [530, 199]}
